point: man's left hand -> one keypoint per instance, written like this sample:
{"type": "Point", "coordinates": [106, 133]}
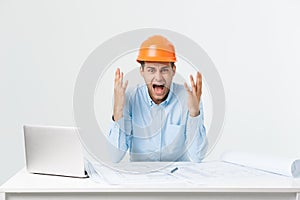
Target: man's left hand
{"type": "Point", "coordinates": [194, 95]}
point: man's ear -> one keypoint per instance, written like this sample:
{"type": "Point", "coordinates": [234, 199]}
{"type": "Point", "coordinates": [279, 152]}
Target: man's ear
{"type": "Point", "coordinates": [174, 68]}
{"type": "Point", "coordinates": [141, 70]}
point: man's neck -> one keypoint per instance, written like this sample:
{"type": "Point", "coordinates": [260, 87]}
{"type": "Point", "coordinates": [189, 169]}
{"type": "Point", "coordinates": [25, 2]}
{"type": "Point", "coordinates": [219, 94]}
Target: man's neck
{"type": "Point", "coordinates": [159, 101]}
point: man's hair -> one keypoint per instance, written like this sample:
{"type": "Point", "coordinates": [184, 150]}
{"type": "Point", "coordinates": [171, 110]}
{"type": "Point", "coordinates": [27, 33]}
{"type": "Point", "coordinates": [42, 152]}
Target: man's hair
{"type": "Point", "coordinates": [143, 64]}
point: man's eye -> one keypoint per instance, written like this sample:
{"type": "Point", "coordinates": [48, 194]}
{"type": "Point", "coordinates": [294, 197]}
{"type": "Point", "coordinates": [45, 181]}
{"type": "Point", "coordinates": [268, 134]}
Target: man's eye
{"type": "Point", "coordinates": [150, 70]}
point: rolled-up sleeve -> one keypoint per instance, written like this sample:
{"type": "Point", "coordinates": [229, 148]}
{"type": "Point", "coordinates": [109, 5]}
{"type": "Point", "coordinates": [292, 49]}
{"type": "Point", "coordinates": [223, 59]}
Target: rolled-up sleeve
{"type": "Point", "coordinates": [120, 134]}
{"type": "Point", "coordinates": [196, 139]}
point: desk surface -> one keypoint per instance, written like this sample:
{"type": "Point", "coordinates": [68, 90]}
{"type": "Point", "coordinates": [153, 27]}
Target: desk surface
{"type": "Point", "coordinates": [25, 182]}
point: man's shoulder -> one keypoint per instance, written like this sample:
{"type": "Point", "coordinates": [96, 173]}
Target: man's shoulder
{"type": "Point", "coordinates": [136, 90]}
{"type": "Point", "coordinates": [178, 88]}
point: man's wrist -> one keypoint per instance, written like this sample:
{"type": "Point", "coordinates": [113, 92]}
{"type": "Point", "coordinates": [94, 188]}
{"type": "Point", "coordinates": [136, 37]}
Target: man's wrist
{"type": "Point", "coordinates": [116, 117]}
{"type": "Point", "coordinates": [195, 114]}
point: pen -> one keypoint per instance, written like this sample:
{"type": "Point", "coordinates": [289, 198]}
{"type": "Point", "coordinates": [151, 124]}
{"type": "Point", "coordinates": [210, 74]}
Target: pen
{"type": "Point", "coordinates": [174, 170]}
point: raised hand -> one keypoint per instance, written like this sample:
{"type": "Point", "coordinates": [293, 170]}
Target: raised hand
{"type": "Point", "coordinates": [194, 95]}
{"type": "Point", "coordinates": [119, 95]}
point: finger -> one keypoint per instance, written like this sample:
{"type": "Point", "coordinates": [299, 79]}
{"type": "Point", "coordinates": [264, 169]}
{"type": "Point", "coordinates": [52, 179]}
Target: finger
{"type": "Point", "coordinates": [121, 78]}
{"type": "Point", "coordinates": [119, 81]}
{"type": "Point", "coordinates": [193, 84]}
{"type": "Point", "coordinates": [199, 83]}
{"type": "Point", "coordinates": [187, 88]}
{"type": "Point", "coordinates": [125, 85]}
{"type": "Point", "coordinates": [117, 74]}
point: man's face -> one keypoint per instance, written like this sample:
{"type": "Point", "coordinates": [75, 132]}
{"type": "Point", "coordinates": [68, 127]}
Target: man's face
{"type": "Point", "coordinates": [158, 76]}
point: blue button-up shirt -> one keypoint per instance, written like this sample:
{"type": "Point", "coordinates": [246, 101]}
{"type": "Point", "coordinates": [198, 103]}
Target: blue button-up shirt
{"type": "Point", "coordinates": [164, 132]}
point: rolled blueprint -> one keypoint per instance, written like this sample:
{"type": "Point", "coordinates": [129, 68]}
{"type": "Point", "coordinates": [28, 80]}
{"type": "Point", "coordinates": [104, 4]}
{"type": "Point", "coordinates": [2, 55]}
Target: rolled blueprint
{"type": "Point", "coordinates": [278, 165]}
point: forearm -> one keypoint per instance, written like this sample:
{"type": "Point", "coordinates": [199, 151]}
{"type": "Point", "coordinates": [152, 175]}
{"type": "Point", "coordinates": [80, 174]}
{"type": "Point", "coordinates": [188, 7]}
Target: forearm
{"type": "Point", "coordinates": [118, 140]}
{"type": "Point", "coordinates": [196, 139]}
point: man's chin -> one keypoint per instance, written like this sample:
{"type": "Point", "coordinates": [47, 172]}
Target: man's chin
{"type": "Point", "coordinates": [158, 98]}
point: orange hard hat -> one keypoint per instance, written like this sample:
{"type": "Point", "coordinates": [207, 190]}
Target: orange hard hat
{"type": "Point", "coordinates": [157, 48]}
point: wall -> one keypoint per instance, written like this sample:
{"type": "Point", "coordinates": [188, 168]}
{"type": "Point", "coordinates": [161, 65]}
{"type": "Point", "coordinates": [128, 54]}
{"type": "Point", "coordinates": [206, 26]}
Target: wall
{"type": "Point", "coordinates": [255, 46]}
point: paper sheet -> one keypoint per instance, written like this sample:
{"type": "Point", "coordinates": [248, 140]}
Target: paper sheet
{"type": "Point", "coordinates": [137, 175]}
{"type": "Point", "coordinates": [187, 173]}
{"type": "Point", "coordinates": [284, 166]}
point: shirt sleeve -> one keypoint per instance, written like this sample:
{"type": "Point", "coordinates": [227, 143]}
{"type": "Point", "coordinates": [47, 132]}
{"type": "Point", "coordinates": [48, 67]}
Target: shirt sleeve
{"type": "Point", "coordinates": [196, 139]}
{"type": "Point", "coordinates": [120, 134]}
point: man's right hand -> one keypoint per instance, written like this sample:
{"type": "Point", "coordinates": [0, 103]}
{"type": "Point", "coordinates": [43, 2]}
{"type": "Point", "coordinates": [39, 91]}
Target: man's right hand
{"type": "Point", "coordinates": [119, 95]}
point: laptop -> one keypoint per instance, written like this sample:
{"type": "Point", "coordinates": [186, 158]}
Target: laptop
{"type": "Point", "coordinates": [53, 150]}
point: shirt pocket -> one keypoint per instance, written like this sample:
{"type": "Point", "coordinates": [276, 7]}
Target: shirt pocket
{"type": "Point", "coordinates": [174, 135]}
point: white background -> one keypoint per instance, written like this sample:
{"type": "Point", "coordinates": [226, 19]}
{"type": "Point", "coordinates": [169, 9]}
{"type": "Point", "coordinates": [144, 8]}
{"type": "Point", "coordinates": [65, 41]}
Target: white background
{"type": "Point", "coordinates": [255, 46]}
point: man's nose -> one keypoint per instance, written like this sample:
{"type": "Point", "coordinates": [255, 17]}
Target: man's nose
{"type": "Point", "coordinates": [158, 76]}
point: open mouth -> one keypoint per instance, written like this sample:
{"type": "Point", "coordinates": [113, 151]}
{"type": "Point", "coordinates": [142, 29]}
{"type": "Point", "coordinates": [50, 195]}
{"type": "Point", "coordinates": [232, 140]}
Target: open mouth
{"type": "Point", "coordinates": [158, 89]}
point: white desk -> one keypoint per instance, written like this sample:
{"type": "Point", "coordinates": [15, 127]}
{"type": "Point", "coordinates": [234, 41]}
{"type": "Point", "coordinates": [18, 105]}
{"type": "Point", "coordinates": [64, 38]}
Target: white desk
{"type": "Point", "coordinates": [31, 186]}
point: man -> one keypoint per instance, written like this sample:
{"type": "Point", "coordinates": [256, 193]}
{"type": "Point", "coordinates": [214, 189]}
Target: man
{"type": "Point", "coordinates": [160, 120]}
